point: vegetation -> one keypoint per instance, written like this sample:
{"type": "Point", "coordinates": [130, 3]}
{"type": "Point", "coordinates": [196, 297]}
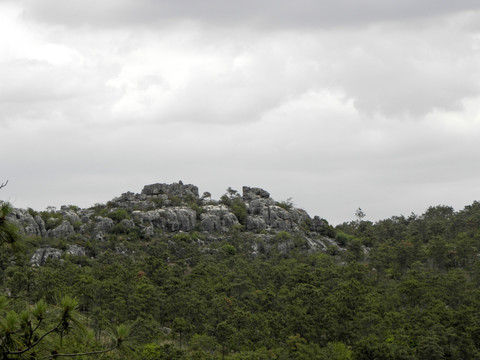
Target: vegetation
{"type": "Point", "coordinates": [400, 288]}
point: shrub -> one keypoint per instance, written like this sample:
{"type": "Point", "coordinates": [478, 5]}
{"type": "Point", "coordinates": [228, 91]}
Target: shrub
{"type": "Point", "coordinates": [239, 209]}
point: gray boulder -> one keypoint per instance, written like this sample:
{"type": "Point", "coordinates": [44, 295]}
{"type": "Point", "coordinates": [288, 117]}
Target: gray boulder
{"type": "Point", "coordinates": [217, 218]}
{"type": "Point", "coordinates": [76, 250]}
{"type": "Point", "coordinates": [102, 224]}
{"type": "Point", "coordinates": [170, 219]}
{"type": "Point", "coordinates": [26, 223]}
{"type": "Point", "coordinates": [255, 223]}
{"type": "Point", "coordinates": [71, 215]}
{"type": "Point", "coordinates": [252, 193]}
{"type": "Point", "coordinates": [62, 231]}
{"type": "Point", "coordinates": [41, 255]}
{"type": "Point", "coordinates": [175, 189]}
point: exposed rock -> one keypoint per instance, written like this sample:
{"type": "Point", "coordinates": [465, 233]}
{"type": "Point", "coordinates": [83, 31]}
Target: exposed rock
{"type": "Point", "coordinates": [127, 224]}
{"type": "Point", "coordinates": [175, 189]}
{"type": "Point", "coordinates": [76, 250]}
{"type": "Point", "coordinates": [41, 255]}
{"type": "Point", "coordinates": [26, 223]}
{"type": "Point", "coordinates": [41, 225]}
{"type": "Point", "coordinates": [163, 208]}
{"type": "Point", "coordinates": [217, 218]}
{"type": "Point", "coordinates": [132, 201]}
{"type": "Point", "coordinates": [62, 231]}
{"type": "Point", "coordinates": [255, 223]}
{"type": "Point", "coordinates": [170, 219]}
{"type": "Point", "coordinates": [71, 215]}
{"type": "Point", "coordinates": [250, 193]}
{"type": "Point", "coordinates": [85, 215]}
{"type": "Point", "coordinates": [102, 225]}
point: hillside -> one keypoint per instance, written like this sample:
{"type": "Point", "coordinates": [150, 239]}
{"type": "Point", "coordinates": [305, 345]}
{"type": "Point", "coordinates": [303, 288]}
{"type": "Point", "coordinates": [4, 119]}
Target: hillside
{"type": "Point", "coordinates": [246, 277]}
{"type": "Point", "coordinates": [168, 209]}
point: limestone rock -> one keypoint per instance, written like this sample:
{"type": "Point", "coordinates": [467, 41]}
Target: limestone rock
{"type": "Point", "coordinates": [41, 225]}
{"type": "Point", "coordinates": [70, 214]}
{"type": "Point", "coordinates": [128, 224]}
{"type": "Point", "coordinates": [255, 223]}
{"type": "Point", "coordinates": [252, 193]}
{"type": "Point", "coordinates": [62, 231]}
{"type": "Point", "coordinates": [41, 255]}
{"type": "Point", "coordinates": [170, 219]}
{"type": "Point", "coordinates": [175, 189]}
{"type": "Point", "coordinates": [217, 218]}
{"type": "Point", "coordinates": [76, 250]}
{"type": "Point", "coordinates": [102, 224]}
{"type": "Point", "coordinates": [26, 223]}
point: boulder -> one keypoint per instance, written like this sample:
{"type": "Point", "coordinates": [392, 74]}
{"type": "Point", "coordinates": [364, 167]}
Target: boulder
{"type": "Point", "coordinates": [170, 219]}
{"type": "Point", "coordinates": [252, 193]}
{"type": "Point", "coordinates": [39, 258]}
{"type": "Point", "coordinates": [102, 224]}
{"type": "Point", "coordinates": [175, 189]}
{"type": "Point", "coordinates": [76, 250]}
{"type": "Point", "coordinates": [62, 231]}
{"type": "Point", "coordinates": [26, 223]}
{"type": "Point", "coordinates": [217, 218]}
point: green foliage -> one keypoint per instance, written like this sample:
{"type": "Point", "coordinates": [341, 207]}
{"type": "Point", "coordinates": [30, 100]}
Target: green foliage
{"type": "Point", "coordinates": [155, 351]}
{"type": "Point", "coordinates": [400, 288]}
{"type": "Point", "coordinates": [119, 215]}
{"type": "Point", "coordinates": [239, 209]}
{"type": "Point", "coordinates": [286, 205]}
{"type": "Point", "coordinates": [229, 250]}
{"type": "Point", "coordinates": [8, 231]}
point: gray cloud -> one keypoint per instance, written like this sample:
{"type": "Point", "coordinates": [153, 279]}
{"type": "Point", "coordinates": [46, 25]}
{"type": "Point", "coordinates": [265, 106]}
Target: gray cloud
{"type": "Point", "coordinates": [374, 107]}
{"type": "Point", "coordinates": [269, 13]}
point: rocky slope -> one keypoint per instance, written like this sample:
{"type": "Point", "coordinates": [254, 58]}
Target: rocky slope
{"type": "Point", "coordinates": [169, 209]}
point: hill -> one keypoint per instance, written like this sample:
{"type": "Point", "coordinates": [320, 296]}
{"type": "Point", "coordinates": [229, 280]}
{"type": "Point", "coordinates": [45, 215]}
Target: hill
{"type": "Point", "coordinates": [246, 277]}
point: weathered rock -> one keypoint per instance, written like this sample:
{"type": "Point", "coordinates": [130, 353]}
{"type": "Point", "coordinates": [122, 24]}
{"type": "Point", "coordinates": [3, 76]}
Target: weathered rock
{"type": "Point", "coordinates": [127, 224]}
{"type": "Point", "coordinates": [175, 189]}
{"type": "Point", "coordinates": [71, 215]}
{"type": "Point", "coordinates": [62, 231]}
{"type": "Point", "coordinates": [41, 255]}
{"type": "Point", "coordinates": [170, 219]}
{"type": "Point", "coordinates": [156, 209]}
{"type": "Point", "coordinates": [255, 223]}
{"type": "Point", "coordinates": [26, 223]}
{"type": "Point", "coordinates": [131, 201]}
{"type": "Point", "coordinates": [217, 218]}
{"type": "Point", "coordinates": [41, 225]}
{"type": "Point", "coordinates": [76, 250]}
{"type": "Point", "coordinates": [102, 224]}
{"type": "Point", "coordinates": [252, 193]}
{"type": "Point", "coordinates": [85, 215]}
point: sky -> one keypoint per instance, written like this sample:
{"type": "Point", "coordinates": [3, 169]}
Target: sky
{"type": "Point", "coordinates": [336, 104]}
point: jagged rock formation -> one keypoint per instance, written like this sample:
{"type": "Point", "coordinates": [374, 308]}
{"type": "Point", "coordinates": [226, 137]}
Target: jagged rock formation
{"type": "Point", "coordinates": [42, 254]}
{"type": "Point", "coordinates": [172, 208]}
{"type": "Point", "coordinates": [264, 213]}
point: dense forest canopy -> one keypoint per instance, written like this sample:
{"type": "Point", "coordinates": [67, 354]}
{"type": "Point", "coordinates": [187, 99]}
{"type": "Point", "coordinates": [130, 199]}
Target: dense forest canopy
{"type": "Point", "coordinates": [400, 288]}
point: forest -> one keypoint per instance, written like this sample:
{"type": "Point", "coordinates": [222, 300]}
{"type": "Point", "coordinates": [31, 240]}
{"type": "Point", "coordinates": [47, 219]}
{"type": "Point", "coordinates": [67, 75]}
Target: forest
{"type": "Point", "coordinates": [407, 287]}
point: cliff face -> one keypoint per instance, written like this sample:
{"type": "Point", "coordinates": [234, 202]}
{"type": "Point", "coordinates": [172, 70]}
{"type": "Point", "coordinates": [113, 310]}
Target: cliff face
{"type": "Point", "coordinates": [172, 208]}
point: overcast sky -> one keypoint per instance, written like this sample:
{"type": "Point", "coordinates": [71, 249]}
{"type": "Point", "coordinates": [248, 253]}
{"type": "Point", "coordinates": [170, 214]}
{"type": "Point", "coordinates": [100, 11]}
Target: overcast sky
{"type": "Point", "coordinates": [338, 104]}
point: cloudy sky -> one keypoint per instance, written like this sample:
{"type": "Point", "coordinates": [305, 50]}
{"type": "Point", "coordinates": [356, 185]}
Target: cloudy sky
{"type": "Point", "coordinates": [338, 104]}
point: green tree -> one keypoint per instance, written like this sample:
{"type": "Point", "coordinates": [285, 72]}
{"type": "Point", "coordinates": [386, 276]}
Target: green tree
{"type": "Point", "coordinates": [8, 231]}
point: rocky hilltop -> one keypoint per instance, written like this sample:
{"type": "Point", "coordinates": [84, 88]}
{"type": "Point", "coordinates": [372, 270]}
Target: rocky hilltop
{"type": "Point", "coordinates": [163, 209]}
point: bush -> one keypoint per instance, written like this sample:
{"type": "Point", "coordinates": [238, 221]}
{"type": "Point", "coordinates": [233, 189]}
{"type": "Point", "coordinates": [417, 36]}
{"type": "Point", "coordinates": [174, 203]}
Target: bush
{"type": "Point", "coordinates": [239, 209]}
{"type": "Point", "coordinates": [119, 215]}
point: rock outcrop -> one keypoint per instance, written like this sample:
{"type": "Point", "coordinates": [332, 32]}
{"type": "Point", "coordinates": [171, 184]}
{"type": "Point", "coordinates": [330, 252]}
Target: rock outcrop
{"type": "Point", "coordinates": [41, 255]}
{"type": "Point", "coordinates": [170, 208]}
